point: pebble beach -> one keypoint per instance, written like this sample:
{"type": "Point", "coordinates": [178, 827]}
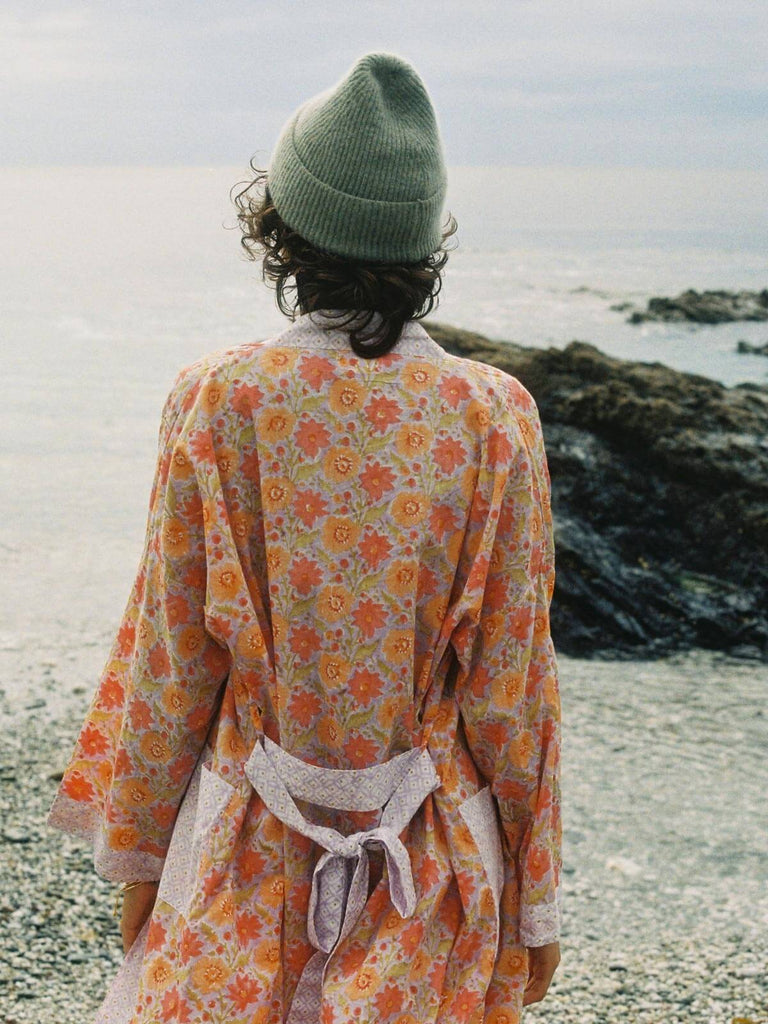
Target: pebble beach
{"type": "Point", "coordinates": [665, 909]}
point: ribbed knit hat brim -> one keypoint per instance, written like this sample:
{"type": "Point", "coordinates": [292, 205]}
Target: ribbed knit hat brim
{"type": "Point", "coordinates": [359, 171]}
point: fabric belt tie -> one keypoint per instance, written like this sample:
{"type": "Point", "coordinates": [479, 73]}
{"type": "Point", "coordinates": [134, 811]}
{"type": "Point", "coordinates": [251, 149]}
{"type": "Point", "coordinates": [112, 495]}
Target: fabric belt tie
{"type": "Point", "coordinates": [340, 879]}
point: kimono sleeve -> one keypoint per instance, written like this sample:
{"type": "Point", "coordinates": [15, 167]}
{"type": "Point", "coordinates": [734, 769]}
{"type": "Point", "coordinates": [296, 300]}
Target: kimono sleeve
{"type": "Point", "coordinates": [157, 695]}
{"type": "Point", "coordinates": [507, 686]}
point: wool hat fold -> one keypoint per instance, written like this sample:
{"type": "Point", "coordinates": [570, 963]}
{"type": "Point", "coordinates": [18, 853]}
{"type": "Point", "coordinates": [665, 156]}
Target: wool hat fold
{"type": "Point", "coordinates": [359, 169]}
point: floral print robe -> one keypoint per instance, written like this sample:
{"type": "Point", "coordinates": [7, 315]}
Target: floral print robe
{"type": "Point", "coordinates": [348, 558]}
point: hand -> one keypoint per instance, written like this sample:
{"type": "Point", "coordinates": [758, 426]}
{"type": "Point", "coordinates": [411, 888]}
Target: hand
{"type": "Point", "coordinates": [137, 906]}
{"type": "Point", "coordinates": [542, 964]}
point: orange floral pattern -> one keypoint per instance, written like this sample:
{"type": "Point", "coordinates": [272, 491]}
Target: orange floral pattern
{"type": "Point", "coordinates": [338, 550]}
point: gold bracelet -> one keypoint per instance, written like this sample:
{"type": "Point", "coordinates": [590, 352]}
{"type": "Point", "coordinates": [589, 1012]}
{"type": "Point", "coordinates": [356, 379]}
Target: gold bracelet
{"type": "Point", "coordinates": [124, 887]}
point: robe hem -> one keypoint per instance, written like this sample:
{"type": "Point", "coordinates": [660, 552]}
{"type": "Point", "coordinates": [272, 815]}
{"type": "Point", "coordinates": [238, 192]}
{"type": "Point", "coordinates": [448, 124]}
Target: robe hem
{"type": "Point", "coordinates": [83, 822]}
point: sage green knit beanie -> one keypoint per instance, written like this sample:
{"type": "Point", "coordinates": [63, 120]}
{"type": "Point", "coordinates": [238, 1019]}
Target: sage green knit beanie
{"type": "Point", "coordinates": [359, 169]}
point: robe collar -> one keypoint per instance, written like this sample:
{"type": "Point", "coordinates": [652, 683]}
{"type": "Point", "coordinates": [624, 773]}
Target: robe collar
{"type": "Point", "coordinates": [312, 331]}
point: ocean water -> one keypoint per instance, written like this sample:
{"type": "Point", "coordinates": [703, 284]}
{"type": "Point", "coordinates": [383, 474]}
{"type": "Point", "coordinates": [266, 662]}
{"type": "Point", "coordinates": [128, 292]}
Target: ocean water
{"type": "Point", "coordinates": [112, 279]}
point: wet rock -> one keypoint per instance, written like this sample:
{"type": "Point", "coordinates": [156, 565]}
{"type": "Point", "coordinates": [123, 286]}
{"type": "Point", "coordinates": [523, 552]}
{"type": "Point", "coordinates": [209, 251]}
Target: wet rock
{"type": "Point", "coordinates": [707, 307]}
{"type": "Point", "coordinates": [659, 495]}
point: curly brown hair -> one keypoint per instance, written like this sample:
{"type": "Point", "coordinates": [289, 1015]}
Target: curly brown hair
{"type": "Point", "coordinates": [326, 281]}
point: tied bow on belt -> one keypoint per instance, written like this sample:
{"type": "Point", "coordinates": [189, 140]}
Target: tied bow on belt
{"type": "Point", "coordinates": [340, 878]}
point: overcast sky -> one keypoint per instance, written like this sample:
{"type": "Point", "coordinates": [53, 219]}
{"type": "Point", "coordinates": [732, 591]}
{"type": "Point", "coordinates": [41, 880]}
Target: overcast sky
{"type": "Point", "coordinates": [654, 83]}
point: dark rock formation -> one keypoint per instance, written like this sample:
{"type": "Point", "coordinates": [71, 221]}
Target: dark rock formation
{"type": "Point", "coordinates": [753, 350]}
{"type": "Point", "coordinates": [709, 307]}
{"type": "Point", "coordinates": [659, 496]}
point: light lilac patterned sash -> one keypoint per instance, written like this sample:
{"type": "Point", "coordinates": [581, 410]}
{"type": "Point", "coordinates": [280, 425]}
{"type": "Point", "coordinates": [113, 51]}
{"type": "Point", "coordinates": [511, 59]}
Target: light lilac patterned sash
{"type": "Point", "coordinates": [340, 879]}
